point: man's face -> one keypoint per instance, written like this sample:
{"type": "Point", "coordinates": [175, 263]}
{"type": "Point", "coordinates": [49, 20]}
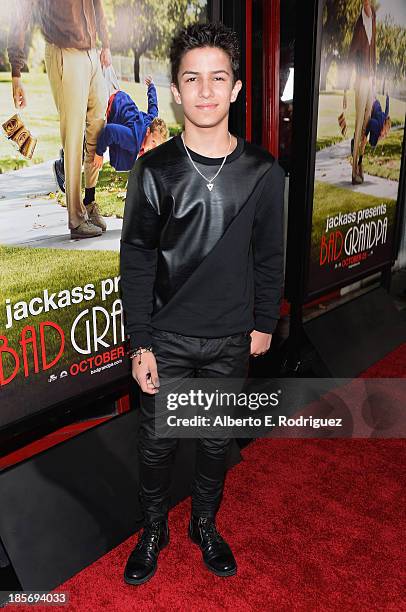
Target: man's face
{"type": "Point", "coordinates": [205, 86]}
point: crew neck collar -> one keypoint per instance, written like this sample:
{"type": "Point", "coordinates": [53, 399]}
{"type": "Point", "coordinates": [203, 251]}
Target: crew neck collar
{"type": "Point", "coordinates": [211, 161]}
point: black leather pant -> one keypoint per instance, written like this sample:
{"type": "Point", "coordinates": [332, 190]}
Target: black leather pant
{"type": "Point", "coordinates": [187, 357]}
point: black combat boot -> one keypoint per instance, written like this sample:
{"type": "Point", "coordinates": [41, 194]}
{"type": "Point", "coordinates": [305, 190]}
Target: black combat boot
{"type": "Point", "coordinates": [142, 562]}
{"type": "Point", "coordinates": [217, 554]}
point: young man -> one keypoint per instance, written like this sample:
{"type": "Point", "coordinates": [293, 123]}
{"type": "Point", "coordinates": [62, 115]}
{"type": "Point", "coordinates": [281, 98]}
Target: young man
{"type": "Point", "coordinates": [201, 277]}
{"type": "Point", "coordinates": [70, 29]}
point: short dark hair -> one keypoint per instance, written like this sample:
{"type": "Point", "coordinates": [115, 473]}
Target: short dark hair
{"type": "Point", "coordinates": [198, 35]}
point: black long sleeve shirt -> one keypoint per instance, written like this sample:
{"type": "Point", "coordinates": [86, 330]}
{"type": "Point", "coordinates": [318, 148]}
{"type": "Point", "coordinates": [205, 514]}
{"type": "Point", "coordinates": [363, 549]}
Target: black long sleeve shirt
{"type": "Point", "coordinates": [198, 262]}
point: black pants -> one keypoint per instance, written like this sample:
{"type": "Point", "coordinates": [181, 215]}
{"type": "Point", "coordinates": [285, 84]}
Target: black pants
{"type": "Point", "coordinates": [187, 357]}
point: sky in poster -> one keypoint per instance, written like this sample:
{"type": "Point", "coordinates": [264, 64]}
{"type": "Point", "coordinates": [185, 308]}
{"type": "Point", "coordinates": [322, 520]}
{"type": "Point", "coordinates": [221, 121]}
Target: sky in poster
{"type": "Point", "coordinates": [394, 8]}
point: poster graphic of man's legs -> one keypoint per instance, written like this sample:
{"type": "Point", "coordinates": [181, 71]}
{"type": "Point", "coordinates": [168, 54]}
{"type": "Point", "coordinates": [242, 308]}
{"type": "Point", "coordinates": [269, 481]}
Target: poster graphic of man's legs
{"type": "Point", "coordinates": [55, 286]}
{"type": "Point", "coordinates": [80, 96]}
{"type": "Point", "coordinates": [363, 107]}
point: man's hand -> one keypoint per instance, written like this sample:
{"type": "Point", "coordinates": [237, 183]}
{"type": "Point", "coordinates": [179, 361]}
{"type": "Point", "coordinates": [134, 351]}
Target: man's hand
{"type": "Point", "coordinates": [98, 161]}
{"type": "Point", "coordinates": [148, 80]}
{"type": "Point", "coordinates": [105, 58]}
{"type": "Point", "coordinates": [146, 373]}
{"type": "Point", "coordinates": [20, 101]}
{"type": "Point", "coordinates": [260, 343]}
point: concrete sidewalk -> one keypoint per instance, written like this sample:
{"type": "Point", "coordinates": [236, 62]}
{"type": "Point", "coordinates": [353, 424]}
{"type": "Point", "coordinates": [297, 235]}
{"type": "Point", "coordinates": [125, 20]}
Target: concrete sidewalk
{"type": "Point", "coordinates": [28, 219]}
{"type": "Point", "coordinates": [333, 167]}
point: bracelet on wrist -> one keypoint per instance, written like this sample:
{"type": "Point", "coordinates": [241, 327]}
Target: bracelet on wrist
{"type": "Point", "coordinates": [138, 352]}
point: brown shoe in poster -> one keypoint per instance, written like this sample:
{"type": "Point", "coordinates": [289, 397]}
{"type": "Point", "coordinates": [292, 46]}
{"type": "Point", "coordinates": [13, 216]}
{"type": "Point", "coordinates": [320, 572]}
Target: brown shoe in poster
{"type": "Point", "coordinates": [95, 216]}
{"type": "Point", "coordinates": [356, 179]}
{"type": "Point", "coordinates": [86, 230]}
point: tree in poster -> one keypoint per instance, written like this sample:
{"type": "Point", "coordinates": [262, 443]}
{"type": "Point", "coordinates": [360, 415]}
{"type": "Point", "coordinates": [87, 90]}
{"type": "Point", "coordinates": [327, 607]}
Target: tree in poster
{"type": "Point", "coordinates": [5, 12]}
{"type": "Point", "coordinates": [144, 26]}
{"type": "Point", "coordinates": [391, 48]}
{"type": "Point", "coordinates": [339, 17]}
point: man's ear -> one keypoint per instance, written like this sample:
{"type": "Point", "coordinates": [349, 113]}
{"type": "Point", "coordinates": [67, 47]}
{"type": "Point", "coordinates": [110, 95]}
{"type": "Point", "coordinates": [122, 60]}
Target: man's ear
{"type": "Point", "coordinates": [175, 93]}
{"type": "Point", "coordinates": [236, 90]}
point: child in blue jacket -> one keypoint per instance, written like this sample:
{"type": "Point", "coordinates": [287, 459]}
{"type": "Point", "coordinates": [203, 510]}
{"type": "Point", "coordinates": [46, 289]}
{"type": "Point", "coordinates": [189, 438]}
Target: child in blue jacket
{"type": "Point", "coordinates": [379, 123]}
{"type": "Point", "coordinates": [130, 132]}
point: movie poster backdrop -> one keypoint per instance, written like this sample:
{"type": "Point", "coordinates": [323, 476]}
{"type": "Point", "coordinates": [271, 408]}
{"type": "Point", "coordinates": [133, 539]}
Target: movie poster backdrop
{"type": "Point", "coordinates": [359, 143]}
{"type": "Point", "coordinates": [61, 317]}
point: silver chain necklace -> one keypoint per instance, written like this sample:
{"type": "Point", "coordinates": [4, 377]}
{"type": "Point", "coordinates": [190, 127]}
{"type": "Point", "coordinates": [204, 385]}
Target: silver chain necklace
{"type": "Point", "coordinates": [210, 183]}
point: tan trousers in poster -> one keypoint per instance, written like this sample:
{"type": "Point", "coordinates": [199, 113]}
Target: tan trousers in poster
{"type": "Point", "coordinates": [81, 98]}
{"type": "Point", "coordinates": [363, 108]}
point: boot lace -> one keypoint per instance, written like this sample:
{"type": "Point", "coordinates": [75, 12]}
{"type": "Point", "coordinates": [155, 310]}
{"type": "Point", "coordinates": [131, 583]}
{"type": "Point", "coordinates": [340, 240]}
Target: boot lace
{"type": "Point", "coordinates": [150, 537]}
{"type": "Point", "coordinates": [209, 532]}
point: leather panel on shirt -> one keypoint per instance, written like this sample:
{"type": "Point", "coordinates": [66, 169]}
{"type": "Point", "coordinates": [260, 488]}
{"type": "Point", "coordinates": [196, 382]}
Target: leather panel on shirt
{"type": "Point", "coordinates": [193, 220]}
{"type": "Point", "coordinates": [233, 296]}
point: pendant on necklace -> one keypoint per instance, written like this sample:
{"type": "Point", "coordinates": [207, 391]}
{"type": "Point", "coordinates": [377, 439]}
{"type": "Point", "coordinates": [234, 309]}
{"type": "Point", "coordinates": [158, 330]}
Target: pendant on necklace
{"type": "Point", "coordinates": [210, 186]}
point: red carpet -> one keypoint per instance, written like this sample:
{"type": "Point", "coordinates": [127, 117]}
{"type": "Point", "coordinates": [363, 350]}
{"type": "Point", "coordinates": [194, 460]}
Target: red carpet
{"type": "Point", "coordinates": [314, 525]}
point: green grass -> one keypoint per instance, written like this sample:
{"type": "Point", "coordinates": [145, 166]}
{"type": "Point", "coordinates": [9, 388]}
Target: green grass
{"type": "Point", "coordinates": [41, 116]}
{"type": "Point", "coordinates": [53, 269]}
{"type": "Point", "coordinates": [384, 159]}
{"type": "Point", "coordinates": [8, 164]}
{"type": "Point", "coordinates": [331, 105]}
{"type": "Point", "coordinates": [110, 192]}
{"type": "Point", "coordinates": [329, 200]}
{"type": "Point", "coordinates": [328, 141]}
